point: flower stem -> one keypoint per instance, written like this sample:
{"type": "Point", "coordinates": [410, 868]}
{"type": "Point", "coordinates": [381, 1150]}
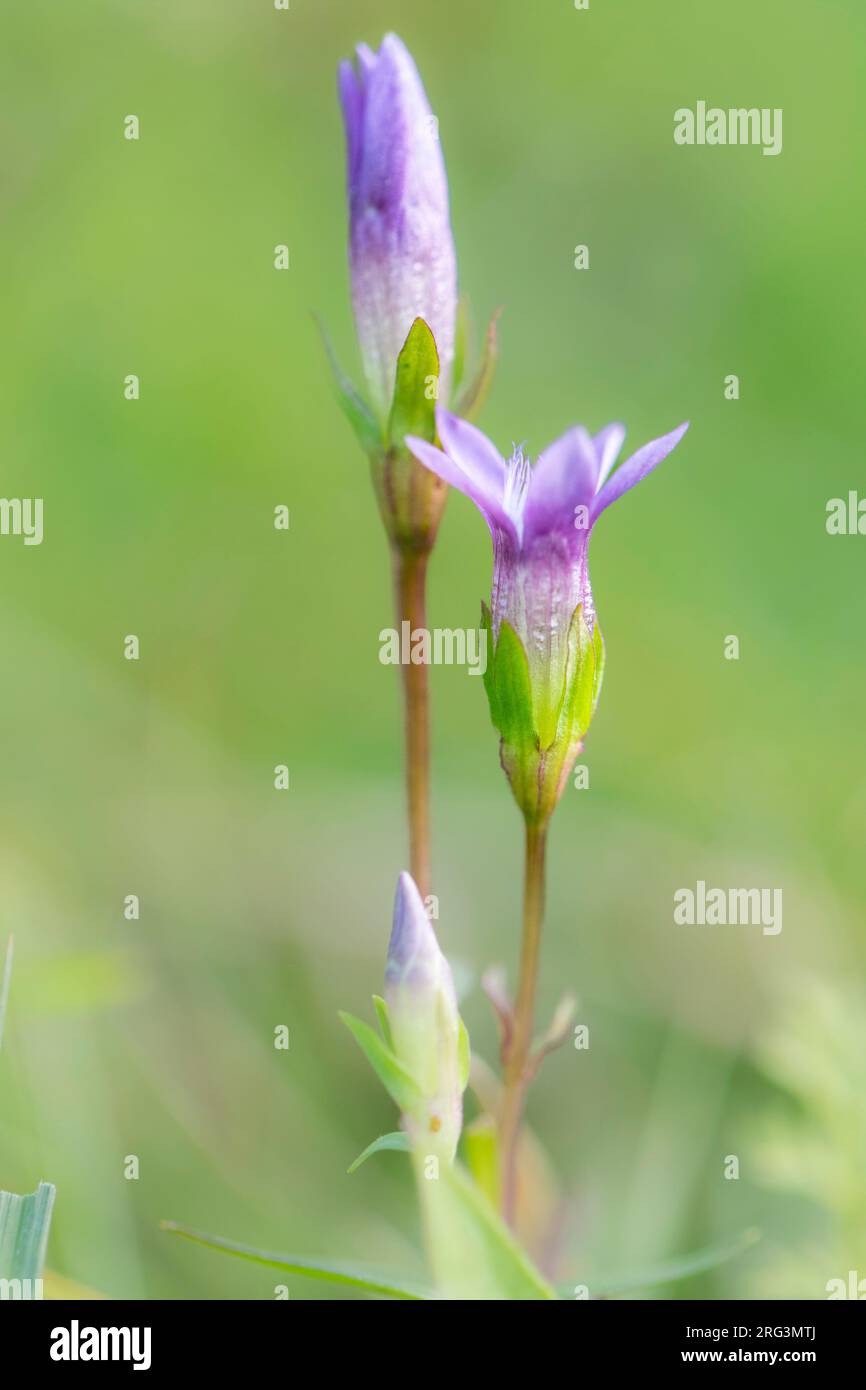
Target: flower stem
{"type": "Point", "coordinates": [520, 1041]}
{"type": "Point", "coordinates": [410, 576]}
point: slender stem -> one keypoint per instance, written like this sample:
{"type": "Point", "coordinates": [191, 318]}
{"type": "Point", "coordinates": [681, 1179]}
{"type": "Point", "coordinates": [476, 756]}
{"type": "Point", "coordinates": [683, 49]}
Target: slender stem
{"type": "Point", "coordinates": [410, 576]}
{"type": "Point", "coordinates": [524, 1013]}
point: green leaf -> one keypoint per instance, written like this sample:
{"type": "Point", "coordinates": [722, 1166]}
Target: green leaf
{"type": "Point", "coordinates": [332, 1271]}
{"type": "Point", "coordinates": [513, 690]}
{"type": "Point", "coordinates": [367, 429]}
{"type": "Point", "coordinates": [4, 984]}
{"type": "Point", "coordinates": [397, 1140]}
{"type": "Point", "coordinates": [471, 401]}
{"type": "Point", "coordinates": [400, 1086]}
{"type": "Point", "coordinates": [24, 1224]}
{"type": "Point", "coordinates": [416, 386]}
{"type": "Point", "coordinates": [384, 1020]}
{"type": "Point", "coordinates": [672, 1271]}
{"type": "Point", "coordinates": [474, 1255]}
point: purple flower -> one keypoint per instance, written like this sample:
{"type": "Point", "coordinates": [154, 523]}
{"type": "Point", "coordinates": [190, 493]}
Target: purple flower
{"type": "Point", "coordinates": [401, 248]}
{"type": "Point", "coordinates": [541, 519]}
{"type": "Point", "coordinates": [426, 1031]}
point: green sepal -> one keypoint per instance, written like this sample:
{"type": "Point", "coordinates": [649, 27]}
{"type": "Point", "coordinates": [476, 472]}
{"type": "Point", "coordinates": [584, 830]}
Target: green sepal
{"type": "Point", "coordinates": [368, 431]}
{"type": "Point", "coordinates": [472, 399]}
{"type": "Point", "coordinates": [585, 665]}
{"type": "Point", "coordinates": [600, 659]}
{"type": "Point", "coordinates": [384, 1020]}
{"type": "Point", "coordinates": [512, 690]}
{"type": "Point", "coordinates": [397, 1140]}
{"type": "Point", "coordinates": [413, 409]}
{"type": "Point", "coordinates": [401, 1087]}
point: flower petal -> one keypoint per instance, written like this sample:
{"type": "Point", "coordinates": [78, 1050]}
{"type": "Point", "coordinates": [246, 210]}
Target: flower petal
{"type": "Point", "coordinates": [607, 443]}
{"type": "Point", "coordinates": [446, 467]}
{"type": "Point", "coordinates": [563, 478]}
{"type": "Point", "coordinates": [352, 101]}
{"type": "Point", "coordinates": [634, 469]}
{"type": "Point", "coordinates": [481, 464]}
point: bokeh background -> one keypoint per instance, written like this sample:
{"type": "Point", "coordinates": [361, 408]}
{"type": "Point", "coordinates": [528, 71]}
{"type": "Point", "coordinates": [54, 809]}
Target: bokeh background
{"type": "Point", "coordinates": [260, 647]}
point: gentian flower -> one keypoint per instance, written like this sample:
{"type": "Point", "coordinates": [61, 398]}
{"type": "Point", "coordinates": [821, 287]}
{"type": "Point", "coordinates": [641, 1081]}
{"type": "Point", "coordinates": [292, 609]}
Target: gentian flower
{"type": "Point", "coordinates": [544, 680]}
{"type": "Point", "coordinates": [401, 249]}
{"type": "Point", "coordinates": [427, 1035]}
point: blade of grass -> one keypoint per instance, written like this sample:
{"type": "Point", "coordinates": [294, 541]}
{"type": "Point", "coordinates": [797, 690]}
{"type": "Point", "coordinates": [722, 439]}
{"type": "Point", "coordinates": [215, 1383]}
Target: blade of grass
{"type": "Point", "coordinates": [24, 1223]}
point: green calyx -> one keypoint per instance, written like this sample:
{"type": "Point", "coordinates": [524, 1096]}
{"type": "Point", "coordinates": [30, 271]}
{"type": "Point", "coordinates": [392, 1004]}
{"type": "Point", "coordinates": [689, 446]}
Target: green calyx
{"type": "Point", "coordinates": [540, 733]}
{"type": "Point", "coordinates": [411, 499]}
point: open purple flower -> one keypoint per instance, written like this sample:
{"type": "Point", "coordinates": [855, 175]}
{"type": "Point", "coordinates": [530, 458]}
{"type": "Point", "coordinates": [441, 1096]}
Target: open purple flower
{"type": "Point", "coordinates": [542, 690]}
{"type": "Point", "coordinates": [401, 248]}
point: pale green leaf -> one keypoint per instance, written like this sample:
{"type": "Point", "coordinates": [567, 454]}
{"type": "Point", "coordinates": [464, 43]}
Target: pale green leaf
{"type": "Point", "coordinates": [673, 1270]}
{"type": "Point", "coordinates": [331, 1271]}
{"type": "Point", "coordinates": [397, 1140]}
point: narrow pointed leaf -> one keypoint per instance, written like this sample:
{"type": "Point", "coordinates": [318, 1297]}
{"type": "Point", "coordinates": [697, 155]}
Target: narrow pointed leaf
{"type": "Point", "coordinates": [367, 429]}
{"type": "Point", "coordinates": [397, 1140]}
{"type": "Point", "coordinates": [472, 400]}
{"type": "Point", "coordinates": [331, 1271]}
{"type": "Point", "coordinates": [671, 1271]}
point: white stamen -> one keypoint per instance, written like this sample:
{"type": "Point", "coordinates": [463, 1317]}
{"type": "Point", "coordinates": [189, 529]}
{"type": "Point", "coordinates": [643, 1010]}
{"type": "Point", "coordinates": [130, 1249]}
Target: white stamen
{"type": "Point", "coordinates": [516, 487]}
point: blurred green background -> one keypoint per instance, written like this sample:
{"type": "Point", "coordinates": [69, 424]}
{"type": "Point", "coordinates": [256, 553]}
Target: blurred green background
{"type": "Point", "coordinates": [261, 647]}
